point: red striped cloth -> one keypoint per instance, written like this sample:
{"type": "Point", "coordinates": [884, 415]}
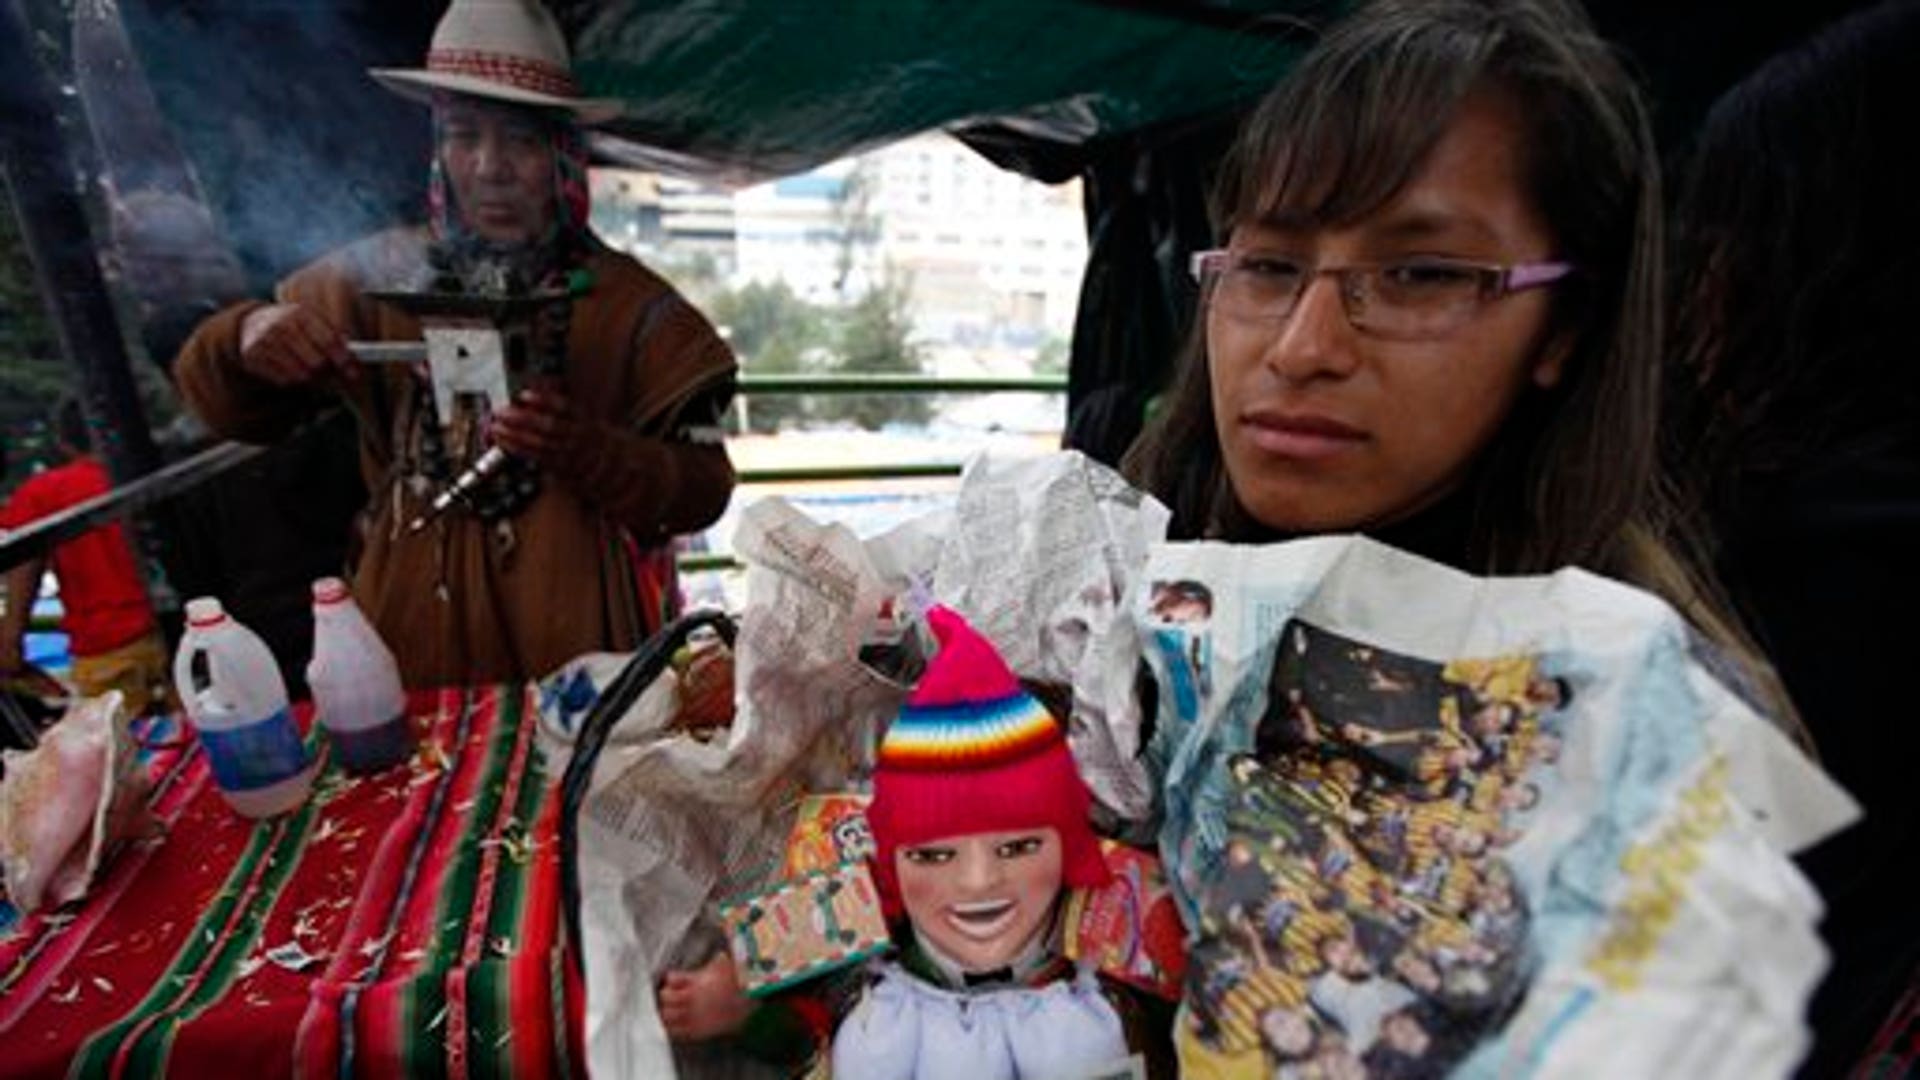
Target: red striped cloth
{"type": "Point", "coordinates": [427, 899]}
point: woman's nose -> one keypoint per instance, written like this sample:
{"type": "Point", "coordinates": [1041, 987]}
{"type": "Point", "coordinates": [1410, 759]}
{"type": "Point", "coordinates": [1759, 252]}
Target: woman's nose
{"type": "Point", "coordinates": [1316, 338]}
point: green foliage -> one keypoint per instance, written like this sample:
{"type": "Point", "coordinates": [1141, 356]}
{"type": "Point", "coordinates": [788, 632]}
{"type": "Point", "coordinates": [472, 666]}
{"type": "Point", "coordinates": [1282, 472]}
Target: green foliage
{"type": "Point", "coordinates": [32, 374]}
{"type": "Point", "coordinates": [694, 275]}
{"type": "Point", "coordinates": [856, 226]}
{"type": "Point", "coordinates": [875, 338]}
{"type": "Point", "coordinates": [774, 332]}
{"type": "Point", "coordinates": [1054, 357]}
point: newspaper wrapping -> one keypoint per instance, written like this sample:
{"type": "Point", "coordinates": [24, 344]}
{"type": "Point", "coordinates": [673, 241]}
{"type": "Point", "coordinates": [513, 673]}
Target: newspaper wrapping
{"type": "Point", "coordinates": [1421, 822]}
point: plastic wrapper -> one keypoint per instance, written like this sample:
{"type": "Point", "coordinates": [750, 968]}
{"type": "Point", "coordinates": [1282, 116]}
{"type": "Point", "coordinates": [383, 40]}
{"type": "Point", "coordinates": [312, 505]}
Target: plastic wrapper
{"type": "Point", "coordinates": [68, 803]}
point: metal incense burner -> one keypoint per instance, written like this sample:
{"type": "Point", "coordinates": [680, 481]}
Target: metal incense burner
{"type": "Point", "coordinates": [475, 345]}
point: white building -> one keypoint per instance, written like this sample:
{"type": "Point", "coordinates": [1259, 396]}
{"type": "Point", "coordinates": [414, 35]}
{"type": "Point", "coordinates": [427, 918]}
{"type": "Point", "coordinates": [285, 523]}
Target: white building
{"type": "Point", "coordinates": [993, 260]}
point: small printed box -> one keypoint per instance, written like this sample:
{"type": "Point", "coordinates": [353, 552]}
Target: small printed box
{"type": "Point", "coordinates": [804, 927]}
{"type": "Point", "coordinates": [828, 831]}
{"type": "Point", "coordinates": [1129, 928]}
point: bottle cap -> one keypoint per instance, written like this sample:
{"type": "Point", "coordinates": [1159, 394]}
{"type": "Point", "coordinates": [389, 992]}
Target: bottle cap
{"type": "Point", "coordinates": [329, 590]}
{"type": "Point", "coordinates": [204, 611]}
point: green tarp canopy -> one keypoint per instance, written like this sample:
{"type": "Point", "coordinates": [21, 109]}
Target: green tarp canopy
{"type": "Point", "coordinates": [297, 150]}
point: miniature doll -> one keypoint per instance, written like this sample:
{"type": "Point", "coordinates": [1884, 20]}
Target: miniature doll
{"type": "Point", "coordinates": [980, 827]}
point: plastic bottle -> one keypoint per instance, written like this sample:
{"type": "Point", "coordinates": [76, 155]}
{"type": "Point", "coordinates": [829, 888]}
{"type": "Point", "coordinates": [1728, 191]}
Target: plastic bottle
{"type": "Point", "coordinates": [237, 701]}
{"type": "Point", "coordinates": [356, 684]}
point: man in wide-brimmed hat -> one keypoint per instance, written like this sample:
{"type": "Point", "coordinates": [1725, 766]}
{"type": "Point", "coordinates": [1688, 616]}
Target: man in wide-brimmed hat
{"type": "Point", "coordinates": [614, 448]}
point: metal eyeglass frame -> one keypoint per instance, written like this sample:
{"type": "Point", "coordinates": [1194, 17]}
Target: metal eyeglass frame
{"type": "Point", "coordinates": [1497, 280]}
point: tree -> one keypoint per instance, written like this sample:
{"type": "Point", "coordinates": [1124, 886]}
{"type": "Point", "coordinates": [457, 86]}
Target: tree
{"type": "Point", "coordinates": [32, 374]}
{"type": "Point", "coordinates": [876, 338]}
{"type": "Point", "coordinates": [1053, 358]}
{"type": "Point", "coordinates": [856, 226]}
{"type": "Point", "coordinates": [774, 332]}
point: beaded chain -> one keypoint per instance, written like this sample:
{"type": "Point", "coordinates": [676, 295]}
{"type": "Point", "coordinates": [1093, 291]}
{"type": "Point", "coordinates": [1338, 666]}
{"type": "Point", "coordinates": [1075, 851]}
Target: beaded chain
{"type": "Point", "coordinates": [511, 488]}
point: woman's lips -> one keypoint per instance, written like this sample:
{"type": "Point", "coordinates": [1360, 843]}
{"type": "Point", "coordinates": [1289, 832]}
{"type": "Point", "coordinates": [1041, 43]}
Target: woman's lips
{"type": "Point", "coordinates": [1299, 435]}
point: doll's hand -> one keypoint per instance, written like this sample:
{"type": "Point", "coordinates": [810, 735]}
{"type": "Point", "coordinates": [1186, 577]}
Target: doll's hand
{"type": "Point", "coordinates": [704, 1002]}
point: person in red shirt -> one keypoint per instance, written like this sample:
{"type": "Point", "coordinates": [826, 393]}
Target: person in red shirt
{"type": "Point", "coordinates": [109, 622]}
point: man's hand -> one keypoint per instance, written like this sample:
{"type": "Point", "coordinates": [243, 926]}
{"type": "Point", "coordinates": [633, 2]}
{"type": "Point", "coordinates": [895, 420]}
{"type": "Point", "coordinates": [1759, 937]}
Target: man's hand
{"type": "Point", "coordinates": [539, 426]}
{"type": "Point", "coordinates": [704, 1002]}
{"type": "Point", "coordinates": [289, 345]}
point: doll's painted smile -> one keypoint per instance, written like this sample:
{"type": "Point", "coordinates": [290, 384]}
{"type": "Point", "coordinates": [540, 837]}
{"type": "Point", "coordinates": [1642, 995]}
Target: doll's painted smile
{"type": "Point", "coordinates": [982, 919]}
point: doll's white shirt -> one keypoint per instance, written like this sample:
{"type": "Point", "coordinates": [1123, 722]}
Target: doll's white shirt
{"type": "Point", "coordinates": [908, 1029]}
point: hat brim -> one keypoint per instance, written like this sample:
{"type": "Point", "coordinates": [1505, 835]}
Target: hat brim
{"type": "Point", "coordinates": [421, 85]}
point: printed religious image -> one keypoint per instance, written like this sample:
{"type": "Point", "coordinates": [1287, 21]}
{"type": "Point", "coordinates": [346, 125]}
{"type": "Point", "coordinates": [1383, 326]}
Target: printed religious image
{"type": "Point", "coordinates": [1364, 921]}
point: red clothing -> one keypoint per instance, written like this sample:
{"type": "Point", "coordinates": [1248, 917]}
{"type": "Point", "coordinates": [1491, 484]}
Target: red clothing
{"type": "Point", "coordinates": [100, 584]}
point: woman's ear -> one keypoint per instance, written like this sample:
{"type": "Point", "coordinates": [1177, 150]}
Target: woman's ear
{"type": "Point", "coordinates": [1551, 365]}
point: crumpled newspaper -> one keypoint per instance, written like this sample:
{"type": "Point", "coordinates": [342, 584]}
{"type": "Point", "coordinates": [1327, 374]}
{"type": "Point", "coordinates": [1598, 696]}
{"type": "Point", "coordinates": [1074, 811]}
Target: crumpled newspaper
{"type": "Point", "coordinates": [673, 825]}
{"type": "Point", "coordinates": [66, 804]}
{"type": "Point", "coordinates": [1422, 823]}
{"type": "Point", "coordinates": [1038, 554]}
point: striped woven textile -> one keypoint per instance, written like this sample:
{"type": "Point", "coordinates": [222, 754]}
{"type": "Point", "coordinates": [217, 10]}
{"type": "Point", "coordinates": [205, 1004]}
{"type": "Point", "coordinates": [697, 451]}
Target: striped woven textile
{"type": "Point", "coordinates": [405, 924]}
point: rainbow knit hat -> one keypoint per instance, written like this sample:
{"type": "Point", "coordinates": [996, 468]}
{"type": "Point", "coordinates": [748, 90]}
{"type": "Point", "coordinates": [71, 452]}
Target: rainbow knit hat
{"type": "Point", "coordinates": [972, 752]}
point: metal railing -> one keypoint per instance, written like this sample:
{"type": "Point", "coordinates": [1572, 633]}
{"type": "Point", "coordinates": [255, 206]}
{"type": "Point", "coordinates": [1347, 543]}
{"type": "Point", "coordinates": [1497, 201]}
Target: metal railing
{"type": "Point", "coordinates": [42, 535]}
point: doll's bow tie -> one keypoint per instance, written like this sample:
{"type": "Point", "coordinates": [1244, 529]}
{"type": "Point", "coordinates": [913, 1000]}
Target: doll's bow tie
{"type": "Point", "coordinates": [987, 978]}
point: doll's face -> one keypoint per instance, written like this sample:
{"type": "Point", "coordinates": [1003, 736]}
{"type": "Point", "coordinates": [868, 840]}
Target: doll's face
{"type": "Point", "coordinates": [981, 898]}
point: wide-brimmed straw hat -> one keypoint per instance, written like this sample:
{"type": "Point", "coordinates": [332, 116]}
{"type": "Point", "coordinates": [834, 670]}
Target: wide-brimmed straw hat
{"type": "Point", "coordinates": [506, 50]}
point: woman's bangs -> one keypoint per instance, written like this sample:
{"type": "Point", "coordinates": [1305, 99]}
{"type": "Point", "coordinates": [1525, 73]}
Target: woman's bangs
{"type": "Point", "coordinates": [1344, 138]}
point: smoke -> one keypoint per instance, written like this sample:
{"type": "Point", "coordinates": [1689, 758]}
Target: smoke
{"type": "Point", "coordinates": [294, 147]}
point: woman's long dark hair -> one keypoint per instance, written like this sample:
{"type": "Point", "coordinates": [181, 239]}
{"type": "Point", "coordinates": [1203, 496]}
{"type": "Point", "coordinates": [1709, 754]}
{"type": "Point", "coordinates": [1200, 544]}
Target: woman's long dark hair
{"type": "Point", "coordinates": [1573, 476]}
{"type": "Point", "coordinates": [1798, 258]}
{"type": "Point", "coordinates": [1344, 133]}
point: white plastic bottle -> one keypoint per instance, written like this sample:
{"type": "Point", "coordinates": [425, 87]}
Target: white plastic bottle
{"type": "Point", "coordinates": [356, 684]}
{"type": "Point", "coordinates": [237, 701]}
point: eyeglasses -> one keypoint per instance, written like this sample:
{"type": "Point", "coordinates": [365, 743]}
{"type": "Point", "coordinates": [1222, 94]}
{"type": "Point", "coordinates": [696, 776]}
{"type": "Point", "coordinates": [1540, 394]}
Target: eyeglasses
{"type": "Point", "coordinates": [1407, 300]}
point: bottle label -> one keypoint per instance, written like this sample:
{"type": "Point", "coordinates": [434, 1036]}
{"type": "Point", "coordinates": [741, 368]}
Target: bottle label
{"type": "Point", "coordinates": [255, 755]}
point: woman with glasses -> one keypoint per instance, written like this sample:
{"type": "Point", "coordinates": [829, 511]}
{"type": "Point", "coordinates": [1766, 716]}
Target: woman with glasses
{"type": "Point", "coordinates": [1435, 316]}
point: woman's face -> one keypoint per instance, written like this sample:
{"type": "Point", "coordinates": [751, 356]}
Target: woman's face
{"type": "Point", "coordinates": [1324, 427]}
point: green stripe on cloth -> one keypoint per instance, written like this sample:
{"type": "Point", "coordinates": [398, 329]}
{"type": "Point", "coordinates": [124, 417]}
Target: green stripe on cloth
{"type": "Point", "coordinates": [490, 1004]}
{"type": "Point", "coordinates": [425, 1009]}
{"type": "Point", "coordinates": [209, 961]}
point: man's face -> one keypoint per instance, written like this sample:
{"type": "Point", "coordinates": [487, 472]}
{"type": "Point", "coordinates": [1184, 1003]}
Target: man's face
{"type": "Point", "coordinates": [980, 899]}
{"type": "Point", "coordinates": [499, 159]}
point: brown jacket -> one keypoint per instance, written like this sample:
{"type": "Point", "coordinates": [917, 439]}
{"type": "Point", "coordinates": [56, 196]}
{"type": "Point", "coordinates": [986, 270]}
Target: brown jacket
{"type": "Point", "coordinates": [464, 601]}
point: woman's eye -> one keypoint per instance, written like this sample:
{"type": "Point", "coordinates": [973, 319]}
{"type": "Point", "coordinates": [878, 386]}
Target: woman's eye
{"type": "Point", "coordinates": [929, 856]}
{"type": "Point", "coordinates": [1269, 268]}
{"type": "Point", "coordinates": [1026, 845]}
{"type": "Point", "coordinates": [1428, 275]}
